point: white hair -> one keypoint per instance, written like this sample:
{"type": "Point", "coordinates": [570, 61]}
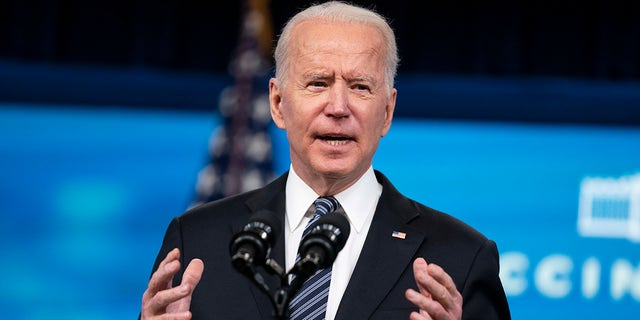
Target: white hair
{"type": "Point", "coordinates": [336, 11]}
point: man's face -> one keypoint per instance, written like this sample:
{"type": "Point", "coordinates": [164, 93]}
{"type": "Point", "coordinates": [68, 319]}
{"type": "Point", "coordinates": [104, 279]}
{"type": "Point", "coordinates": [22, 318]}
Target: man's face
{"type": "Point", "coordinates": [334, 104]}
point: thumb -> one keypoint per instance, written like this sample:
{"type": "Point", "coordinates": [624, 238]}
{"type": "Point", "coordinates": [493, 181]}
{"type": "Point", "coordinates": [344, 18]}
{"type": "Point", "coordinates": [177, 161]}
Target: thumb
{"type": "Point", "coordinates": [190, 279]}
{"type": "Point", "coordinates": [193, 273]}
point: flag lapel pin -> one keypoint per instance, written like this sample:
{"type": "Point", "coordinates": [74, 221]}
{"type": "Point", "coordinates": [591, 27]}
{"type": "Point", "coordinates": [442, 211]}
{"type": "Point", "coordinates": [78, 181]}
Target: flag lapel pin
{"type": "Point", "coordinates": [398, 234]}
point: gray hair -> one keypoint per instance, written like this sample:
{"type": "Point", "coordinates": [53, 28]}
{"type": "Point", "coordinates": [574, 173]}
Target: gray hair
{"type": "Point", "coordinates": [336, 11]}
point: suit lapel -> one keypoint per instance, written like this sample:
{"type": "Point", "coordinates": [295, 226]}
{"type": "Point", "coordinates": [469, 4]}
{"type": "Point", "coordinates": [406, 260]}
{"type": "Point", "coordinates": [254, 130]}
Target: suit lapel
{"type": "Point", "coordinates": [271, 197]}
{"type": "Point", "coordinates": [384, 257]}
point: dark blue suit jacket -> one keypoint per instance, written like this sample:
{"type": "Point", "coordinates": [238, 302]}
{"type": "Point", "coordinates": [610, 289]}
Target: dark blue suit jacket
{"type": "Point", "coordinates": [383, 271]}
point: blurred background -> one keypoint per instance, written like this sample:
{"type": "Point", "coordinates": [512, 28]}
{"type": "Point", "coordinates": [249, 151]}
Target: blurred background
{"type": "Point", "coordinates": [521, 118]}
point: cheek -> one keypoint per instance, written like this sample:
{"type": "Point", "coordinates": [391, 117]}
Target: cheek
{"type": "Point", "coordinates": [378, 125]}
{"type": "Point", "coordinates": [288, 116]}
{"type": "Point", "coordinates": [296, 126]}
{"type": "Point", "coordinates": [293, 122]}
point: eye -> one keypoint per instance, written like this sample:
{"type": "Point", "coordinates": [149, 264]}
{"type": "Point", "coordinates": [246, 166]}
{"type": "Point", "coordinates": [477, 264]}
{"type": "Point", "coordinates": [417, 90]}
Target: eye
{"type": "Point", "coordinates": [317, 84]}
{"type": "Point", "coordinates": [361, 87]}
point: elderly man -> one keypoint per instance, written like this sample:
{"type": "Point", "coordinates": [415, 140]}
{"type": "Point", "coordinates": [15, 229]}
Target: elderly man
{"type": "Point", "coordinates": [333, 93]}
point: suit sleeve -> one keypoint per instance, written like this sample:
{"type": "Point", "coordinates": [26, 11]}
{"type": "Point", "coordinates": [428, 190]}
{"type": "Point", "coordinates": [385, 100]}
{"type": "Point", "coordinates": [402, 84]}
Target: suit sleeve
{"type": "Point", "coordinates": [483, 295]}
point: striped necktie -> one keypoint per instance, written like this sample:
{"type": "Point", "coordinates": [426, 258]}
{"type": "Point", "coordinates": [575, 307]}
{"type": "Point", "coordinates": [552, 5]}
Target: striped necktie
{"type": "Point", "coordinates": [310, 302]}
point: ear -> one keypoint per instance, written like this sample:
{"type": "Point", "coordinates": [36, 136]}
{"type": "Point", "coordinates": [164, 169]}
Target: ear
{"type": "Point", "coordinates": [275, 103]}
{"type": "Point", "coordinates": [388, 112]}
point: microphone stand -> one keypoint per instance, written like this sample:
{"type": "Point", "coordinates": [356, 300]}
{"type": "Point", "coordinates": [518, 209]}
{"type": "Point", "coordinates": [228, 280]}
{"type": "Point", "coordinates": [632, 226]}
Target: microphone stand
{"type": "Point", "coordinates": [281, 297]}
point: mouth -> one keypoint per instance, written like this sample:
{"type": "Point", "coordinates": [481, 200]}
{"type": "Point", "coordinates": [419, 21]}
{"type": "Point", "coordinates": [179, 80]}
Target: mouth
{"type": "Point", "coordinates": [335, 140]}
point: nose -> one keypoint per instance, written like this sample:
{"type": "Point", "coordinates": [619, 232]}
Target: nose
{"type": "Point", "coordinates": [338, 104]}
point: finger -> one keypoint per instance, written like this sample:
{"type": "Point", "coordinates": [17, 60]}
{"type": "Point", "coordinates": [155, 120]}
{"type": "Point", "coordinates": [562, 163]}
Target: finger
{"type": "Point", "coordinates": [420, 268]}
{"type": "Point", "coordinates": [435, 296]}
{"type": "Point", "coordinates": [429, 308]}
{"type": "Point", "coordinates": [190, 279]}
{"type": "Point", "coordinates": [419, 316]}
{"type": "Point", "coordinates": [428, 283]}
{"type": "Point", "coordinates": [449, 296]}
{"type": "Point", "coordinates": [160, 280]}
{"type": "Point", "coordinates": [171, 301]}
{"type": "Point", "coordinates": [171, 316]}
{"type": "Point", "coordinates": [171, 256]}
{"type": "Point", "coordinates": [175, 316]}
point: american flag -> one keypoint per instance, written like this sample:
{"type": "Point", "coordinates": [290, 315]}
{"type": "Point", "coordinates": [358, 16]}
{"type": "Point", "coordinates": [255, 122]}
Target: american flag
{"type": "Point", "coordinates": [398, 234]}
{"type": "Point", "coordinates": [240, 153]}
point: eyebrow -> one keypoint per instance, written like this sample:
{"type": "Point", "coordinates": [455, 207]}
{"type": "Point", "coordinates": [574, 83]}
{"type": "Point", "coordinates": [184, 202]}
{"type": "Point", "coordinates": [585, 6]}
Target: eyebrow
{"type": "Point", "coordinates": [317, 75]}
{"type": "Point", "coordinates": [324, 75]}
{"type": "Point", "coordinates": [361, 79]}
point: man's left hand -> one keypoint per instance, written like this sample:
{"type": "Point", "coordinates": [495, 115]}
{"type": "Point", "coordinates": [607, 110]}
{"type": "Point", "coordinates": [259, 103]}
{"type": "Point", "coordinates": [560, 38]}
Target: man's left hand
{"type": "Point", "coordinates": [437, 297]}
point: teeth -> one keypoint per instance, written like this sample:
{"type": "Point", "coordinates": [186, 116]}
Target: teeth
{"type": "Point", "coordinates": [337, 142]}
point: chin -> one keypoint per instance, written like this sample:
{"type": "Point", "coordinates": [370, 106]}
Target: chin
{"type": "Point", "coordinates": [335, 171]}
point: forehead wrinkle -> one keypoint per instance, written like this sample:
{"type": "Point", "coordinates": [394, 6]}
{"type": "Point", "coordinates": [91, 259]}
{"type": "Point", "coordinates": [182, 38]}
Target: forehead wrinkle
{"type": "Point", "coordinates": [355, 65]}
{"type": "Point", "coordinates": [308, 49]}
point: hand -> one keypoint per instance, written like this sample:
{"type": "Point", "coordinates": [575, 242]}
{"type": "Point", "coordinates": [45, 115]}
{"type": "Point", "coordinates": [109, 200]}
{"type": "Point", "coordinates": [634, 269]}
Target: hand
{"type": "Point", "coordinates": [438, 297]}
{"type": "Point", "coordinates": [161, 298]}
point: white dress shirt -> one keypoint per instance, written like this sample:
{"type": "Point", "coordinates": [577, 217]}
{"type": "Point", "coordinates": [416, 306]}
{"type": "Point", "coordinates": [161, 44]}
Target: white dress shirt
{"type": "Point", "coordinates": [359, 203]}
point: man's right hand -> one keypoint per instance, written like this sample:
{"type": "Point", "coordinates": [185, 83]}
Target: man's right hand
{"type": "Point", "coordinates": [163, 301]}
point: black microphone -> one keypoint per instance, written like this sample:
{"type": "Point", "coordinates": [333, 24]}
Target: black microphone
{"type": "Point", "coordinates": [320, 247]}
{"type": "Point", "coordinates": [250, 246]}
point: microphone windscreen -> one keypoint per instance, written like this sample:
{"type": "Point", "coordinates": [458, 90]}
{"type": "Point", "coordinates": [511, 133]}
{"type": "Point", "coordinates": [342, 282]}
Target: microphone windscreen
{"type": "Point", "coordinates": [268, 218]}
{"type": "Point", "coordinates": [339, 221]}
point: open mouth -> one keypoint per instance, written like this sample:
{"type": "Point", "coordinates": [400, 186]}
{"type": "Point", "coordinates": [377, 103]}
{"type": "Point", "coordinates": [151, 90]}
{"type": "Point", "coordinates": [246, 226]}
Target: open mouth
{"type": "Point", "coordinates": [335, 140]}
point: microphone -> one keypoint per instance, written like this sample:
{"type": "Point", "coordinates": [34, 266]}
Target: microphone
{"type": "Point", "coordinates": [320, 247]}
{"type": "Point", "coordinates": [250, 246]}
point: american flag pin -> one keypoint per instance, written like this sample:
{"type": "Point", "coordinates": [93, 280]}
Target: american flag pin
{"type": "Point", "coordinates": [398, 234]}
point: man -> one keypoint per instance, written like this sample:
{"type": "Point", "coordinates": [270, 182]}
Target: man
{"type": "Point", "coordinates": [333, 94]}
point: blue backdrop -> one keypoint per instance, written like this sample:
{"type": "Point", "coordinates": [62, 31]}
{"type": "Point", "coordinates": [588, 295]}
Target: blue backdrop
{"type": "Point", "coordinates": [86, 195]}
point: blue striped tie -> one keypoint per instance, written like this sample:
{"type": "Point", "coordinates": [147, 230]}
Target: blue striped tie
{"type": "Point", "coordinates": [310, 302]}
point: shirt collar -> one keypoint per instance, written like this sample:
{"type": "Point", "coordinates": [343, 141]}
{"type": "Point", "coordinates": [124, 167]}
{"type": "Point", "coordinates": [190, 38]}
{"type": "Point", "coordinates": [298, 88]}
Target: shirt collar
{"type": "Point", "coordinates": [358, 201]}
